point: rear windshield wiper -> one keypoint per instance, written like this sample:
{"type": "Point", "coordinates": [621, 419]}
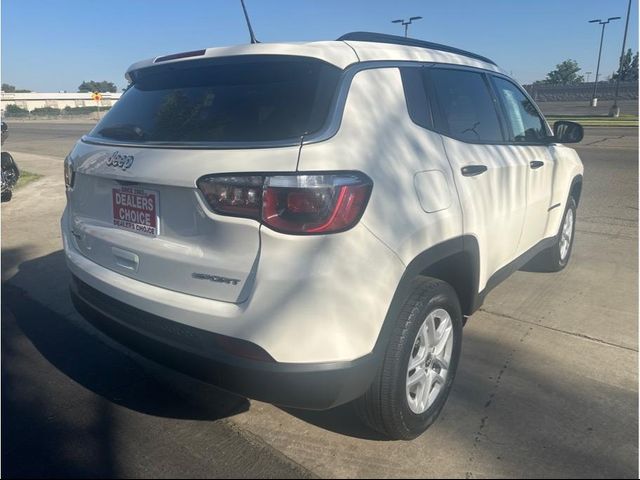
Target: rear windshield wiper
{"type": "Point", "coordinates": [123, 132]}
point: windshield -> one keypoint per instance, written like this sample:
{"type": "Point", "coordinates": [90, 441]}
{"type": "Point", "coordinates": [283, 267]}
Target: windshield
{"type": "Point", "coordinates": [252, 99]}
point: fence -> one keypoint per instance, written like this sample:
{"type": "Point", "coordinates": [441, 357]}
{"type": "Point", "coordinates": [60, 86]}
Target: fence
{"type": "Point", "coordinates": [582, 91]}
{"type": "Point", "coordinates": [13, 111]}
{"type": "Point", "coordinates": [36, 104]}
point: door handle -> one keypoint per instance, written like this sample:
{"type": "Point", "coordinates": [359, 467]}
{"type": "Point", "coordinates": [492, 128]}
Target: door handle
{"type": "Point", "coordinates": [536, 164]}
{"type": "Point", "coordinates": [473, 170]}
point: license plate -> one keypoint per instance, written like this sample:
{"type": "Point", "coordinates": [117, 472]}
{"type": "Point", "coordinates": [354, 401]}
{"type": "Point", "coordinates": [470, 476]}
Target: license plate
{"type": "Point", "coordinates": [136, 209]}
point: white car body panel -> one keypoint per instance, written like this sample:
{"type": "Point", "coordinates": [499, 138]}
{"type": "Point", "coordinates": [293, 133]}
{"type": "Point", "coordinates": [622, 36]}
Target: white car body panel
{"type": "Point", "coordinates": [537, 192]}
{"type": "Point", "coordinates": [378, 137]}
{"type": "Point", "coordinates": [568, 166]}
{"type": "Point", "coordinates": [493, 203]}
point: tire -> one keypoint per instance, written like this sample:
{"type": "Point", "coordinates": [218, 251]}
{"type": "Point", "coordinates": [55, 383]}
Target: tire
{"type": "Point", "coordinates": [390, 406]}
{"type": "Point", "coordinates": [555, 258]}
{"type": "Point", "coordinates": [6, 196]}
{"type": "Point", "coordinates": [10, 172]}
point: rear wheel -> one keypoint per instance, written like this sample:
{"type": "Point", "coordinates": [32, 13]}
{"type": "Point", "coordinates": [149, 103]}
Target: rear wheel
{"type": "Point", "coordinates": [420, 363]}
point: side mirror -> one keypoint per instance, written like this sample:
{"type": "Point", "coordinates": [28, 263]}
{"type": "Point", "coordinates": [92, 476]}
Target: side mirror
{"type": "Point", "coordinates": [567, 132]}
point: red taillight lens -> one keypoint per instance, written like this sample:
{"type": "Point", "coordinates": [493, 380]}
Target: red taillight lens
{"type": "Point", "coordinates": [300, 204]}
{"type": "Point", "coordinates": [314, 203]}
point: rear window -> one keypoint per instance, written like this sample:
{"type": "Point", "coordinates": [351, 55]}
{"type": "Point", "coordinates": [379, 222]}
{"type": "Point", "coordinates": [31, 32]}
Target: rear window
{"type": "Point", "coordinates": [242, 99]}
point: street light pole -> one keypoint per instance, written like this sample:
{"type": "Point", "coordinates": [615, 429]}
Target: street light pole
{"type": "Point", "coordinates": [615, 110]}
{"type": "Point", "coordinates": [588, 74]}
{"type": "Point", "coordinates": [406, 23]}
{"type": "Point", "coordinates": [594, 100]}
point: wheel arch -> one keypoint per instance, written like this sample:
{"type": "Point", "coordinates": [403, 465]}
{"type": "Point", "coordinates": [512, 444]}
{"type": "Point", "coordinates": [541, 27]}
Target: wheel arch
{"type": "Point", "coordinates": [455, 261]}
{"type": "Point", "coordinates": [576, 188]}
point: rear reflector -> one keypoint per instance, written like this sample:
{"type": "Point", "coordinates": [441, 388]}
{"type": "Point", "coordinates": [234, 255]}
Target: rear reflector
{"type": "Point", "coordinates": [299, 204]}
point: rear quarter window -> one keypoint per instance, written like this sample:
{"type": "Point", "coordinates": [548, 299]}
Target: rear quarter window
{"type": "Point", "coordinates": [240, 99]}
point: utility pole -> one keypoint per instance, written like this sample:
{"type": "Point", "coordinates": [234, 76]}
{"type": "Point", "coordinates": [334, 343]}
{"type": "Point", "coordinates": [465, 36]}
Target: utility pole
{"type": "Point", "coordinates": [406, 23]}
{"type": "Point", "coordinates": [615, 109]}
{"type": "Point", "coordinates": [594, 99]}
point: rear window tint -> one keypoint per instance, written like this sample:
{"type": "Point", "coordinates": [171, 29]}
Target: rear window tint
{"type": "Point", "coordinates": [253, 99]}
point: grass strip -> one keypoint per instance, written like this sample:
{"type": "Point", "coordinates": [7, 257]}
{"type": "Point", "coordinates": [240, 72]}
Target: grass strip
{"type": "Point", "coordinates": [26, 177]}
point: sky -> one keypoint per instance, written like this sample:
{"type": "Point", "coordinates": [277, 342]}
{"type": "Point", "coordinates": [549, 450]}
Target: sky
{"type": "Point", "coordinates": [54, 45]}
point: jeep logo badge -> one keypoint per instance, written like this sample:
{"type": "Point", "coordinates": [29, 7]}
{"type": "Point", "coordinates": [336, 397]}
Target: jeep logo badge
{"type": "Point", "coordinates": [120, 160]}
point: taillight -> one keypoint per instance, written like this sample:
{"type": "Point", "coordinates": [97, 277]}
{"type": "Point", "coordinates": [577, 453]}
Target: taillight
{"type": "Point", "coordinates": [240, 196]}
{"type": "Point", "coordinates": [69, 173]}
{"type": "Point", "coordinates": [299, 204]}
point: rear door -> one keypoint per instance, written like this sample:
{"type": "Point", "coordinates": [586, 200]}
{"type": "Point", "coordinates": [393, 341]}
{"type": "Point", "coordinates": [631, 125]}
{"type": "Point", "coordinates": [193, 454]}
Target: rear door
{"type": "Point", "coordinates": [135, 207]}
{"type": "Point", "coordinates": [529, 141]}
{"type": "Point", "coordinates": [491, 180]}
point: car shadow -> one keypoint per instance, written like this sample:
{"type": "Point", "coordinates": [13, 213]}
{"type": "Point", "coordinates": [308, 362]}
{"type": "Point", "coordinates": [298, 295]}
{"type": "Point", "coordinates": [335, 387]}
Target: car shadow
{"type": "Point", "coordinates": [80, 353]}
{"type": "Point", "coordinates": [342, 420]}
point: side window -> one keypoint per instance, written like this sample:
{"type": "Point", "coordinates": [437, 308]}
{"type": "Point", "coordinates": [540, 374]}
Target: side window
{"type": "Point", "coordinates": [416, 97]}
{"type": "Point", "coordinates": [526, 125]}
{"type": "Point", "coordinates": [467, 110]}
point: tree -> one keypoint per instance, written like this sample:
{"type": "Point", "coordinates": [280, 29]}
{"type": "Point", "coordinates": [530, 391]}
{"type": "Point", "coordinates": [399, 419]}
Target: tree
{"type": "Point", "coordinates": [628, 71]}
{"type": "Point", "coordinates": [15, 111]}
{"type": "Point", "coordinates": [6, 87]}
{"type": "Point", "coordinates": [93, 86]}
{"type": "Point", "coordinates": [566, 73]}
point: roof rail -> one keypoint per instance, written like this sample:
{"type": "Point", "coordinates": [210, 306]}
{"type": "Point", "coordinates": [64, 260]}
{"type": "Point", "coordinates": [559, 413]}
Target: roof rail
{"type": "Point", "coordinates": [410, 42]}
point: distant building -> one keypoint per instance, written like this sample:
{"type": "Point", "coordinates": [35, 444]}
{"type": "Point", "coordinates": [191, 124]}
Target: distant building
{"type": "Point", "coordinates": [32, 100]}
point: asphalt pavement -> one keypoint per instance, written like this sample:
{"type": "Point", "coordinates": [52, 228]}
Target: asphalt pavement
{"type": "Point", "coordinates": [547, 385]}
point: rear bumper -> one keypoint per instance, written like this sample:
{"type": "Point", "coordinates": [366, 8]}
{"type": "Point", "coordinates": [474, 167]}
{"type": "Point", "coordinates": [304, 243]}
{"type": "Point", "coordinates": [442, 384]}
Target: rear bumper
{"type": "Point", "coordinates": [306, 305]}
{"type": "Point", "coordinates": [196, 352]}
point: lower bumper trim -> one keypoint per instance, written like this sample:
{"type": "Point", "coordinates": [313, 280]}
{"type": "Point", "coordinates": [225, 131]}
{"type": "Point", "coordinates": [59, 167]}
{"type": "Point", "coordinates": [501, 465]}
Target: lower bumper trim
{"type": "Point", "coordinates": [196, 352]}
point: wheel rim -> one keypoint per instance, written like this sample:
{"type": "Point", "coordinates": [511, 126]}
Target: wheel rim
{"type": "Point", "coordinates": [429, 362]}
{"type": "Point", "coordinates": [566, 234]}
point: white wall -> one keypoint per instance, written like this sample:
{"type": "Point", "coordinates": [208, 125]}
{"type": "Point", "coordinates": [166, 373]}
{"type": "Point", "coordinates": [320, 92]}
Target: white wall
{"type": "Point", "coordinates": [34, 100]}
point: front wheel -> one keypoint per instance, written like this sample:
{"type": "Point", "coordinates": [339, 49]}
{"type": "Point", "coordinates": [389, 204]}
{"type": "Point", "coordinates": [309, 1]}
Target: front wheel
{"type": "Point", "coordinates": [420, 363]}
{"type": "Point", "coordinates": [556, 257]}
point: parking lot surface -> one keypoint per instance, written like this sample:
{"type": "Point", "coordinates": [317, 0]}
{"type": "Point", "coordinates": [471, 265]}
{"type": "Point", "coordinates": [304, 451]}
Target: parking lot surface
{"type": "Point", "coordinates": [547, 385]}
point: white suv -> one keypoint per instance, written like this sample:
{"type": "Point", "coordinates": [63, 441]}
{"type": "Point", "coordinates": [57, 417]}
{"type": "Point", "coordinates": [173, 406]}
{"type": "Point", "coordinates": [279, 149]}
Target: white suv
{"type": "Point", "coordinates": [308, 224]}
